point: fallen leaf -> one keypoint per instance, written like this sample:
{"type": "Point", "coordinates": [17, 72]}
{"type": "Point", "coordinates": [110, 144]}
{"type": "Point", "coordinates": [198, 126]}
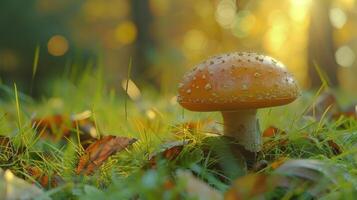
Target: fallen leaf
{"type": "Point", "coordinates": [316, 175]}
{"type": "Point", "coordinates": [196, 188]}
{"type": "Point", "coordinates": [168, 184]}
{"type": "Point", "coordinates": [12, 187]}
{"type": "Point", "coordinates": [57, 127]}
{"type": "Point", "coordinates": [325, 102]}
{"type": "Point", "coordinates": [97, 153]}
{"type": "Point", "coordinates": [251, 186]}
{"type": "Point", "coordinates": [168, 151]}
{"type": "Point", "coordinates": [42, 178]}
{"type": "Point", "coordinates": [350, 112]}
{"type": "Point", "coordinates": [336, 149]}
{"type": "Point", "coordinates": [48, 126]}
{"type": "Point", "coordinates": [278, 162]}
{"type": "Point", "coordinates": [272, 131]}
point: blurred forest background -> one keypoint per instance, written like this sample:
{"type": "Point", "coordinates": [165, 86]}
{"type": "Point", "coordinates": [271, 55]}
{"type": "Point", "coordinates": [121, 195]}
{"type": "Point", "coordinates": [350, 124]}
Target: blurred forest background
{"type": "Point", "coordinates": [165, 38]}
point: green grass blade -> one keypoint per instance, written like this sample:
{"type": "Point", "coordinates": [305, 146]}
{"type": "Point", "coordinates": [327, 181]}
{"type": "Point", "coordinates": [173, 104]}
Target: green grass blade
{"type": "Point", "coordinates": [126, 89]}
{"type": "Point", "coordinates": [35, 61]}
{"type": "Point", "coordinates": [17, 107]}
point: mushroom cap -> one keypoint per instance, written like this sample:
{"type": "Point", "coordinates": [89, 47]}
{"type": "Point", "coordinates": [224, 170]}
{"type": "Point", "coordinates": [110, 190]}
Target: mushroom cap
{"type": "Point", "coordinates": [236, 81]}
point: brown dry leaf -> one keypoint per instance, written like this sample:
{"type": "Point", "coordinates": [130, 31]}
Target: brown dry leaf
{"type": "Point", "coordinates": [272, 131]}
{"type": "Point", "coordinates": [278, 162]}
{"type": "Point", "coordinates": [350, 112]}
{"type": "Point", "coordinates": [57, 127]}
{"type": "Point", "coordinates": [336, 149]}
{"type": "Point", "coordinates": [97, 153]}
{"type": "Point", "coordinates": [42, 178]}
{"type": "Point", "coordinates": [48, 126]}
{"type": "Point", "coordinates": [196, 188]}
{"type": "Point", "coordinates": [169, 151]}
{"type": "Point", "coordinates": [251, 186]}
{"type": "Point", "coordinates": [326, 100]}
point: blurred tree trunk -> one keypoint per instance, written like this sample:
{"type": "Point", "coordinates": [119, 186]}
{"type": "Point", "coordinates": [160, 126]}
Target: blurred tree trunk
{"type": "Point", "coordinates": [321, 46]}
{"type": "Point", "coordinates": [142, 17]}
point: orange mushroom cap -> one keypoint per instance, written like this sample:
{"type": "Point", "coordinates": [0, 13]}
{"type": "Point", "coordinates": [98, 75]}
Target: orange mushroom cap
{"type": "Point", "coordinates": [237, 81]}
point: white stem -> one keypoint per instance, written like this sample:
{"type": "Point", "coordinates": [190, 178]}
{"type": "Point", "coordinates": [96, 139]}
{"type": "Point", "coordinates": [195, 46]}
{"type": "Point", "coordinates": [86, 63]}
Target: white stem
{"type": "Point", "coordinates": [243, 125]}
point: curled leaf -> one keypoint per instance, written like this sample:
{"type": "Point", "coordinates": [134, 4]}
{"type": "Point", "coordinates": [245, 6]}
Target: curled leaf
{"type": "Point", "coordinates": [97, 153]}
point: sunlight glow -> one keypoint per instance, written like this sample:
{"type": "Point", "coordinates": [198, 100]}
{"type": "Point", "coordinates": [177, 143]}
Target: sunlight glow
{"type": "Point", "coordinates": [338, 18]}
{"type": "Point", "coordinates": [57, 45]}
{"type": "Point", "coordinates": [243, 23]}
{"type": "Point", "coordinates": [299, 9]}
{"type": "Point", "coordinates": [345, 56]}
{"type": "Point", "coordinates": [275, 38]}
{"type": "Point", "coordinates": [195, 40]}
{"type": "Point", "coordinates": [150, 114]}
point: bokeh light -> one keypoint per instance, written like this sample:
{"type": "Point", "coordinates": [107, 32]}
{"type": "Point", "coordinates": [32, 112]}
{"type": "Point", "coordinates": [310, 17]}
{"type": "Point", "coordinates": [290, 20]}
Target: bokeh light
{"type": "Point", "coordinates": [225, 13]}
{"type": "Point", "coordinates": [125, 32]}
{"type": "Point", "coordinates": [195, 40]}
{"type": "Point", "coordinates": [243, 23]}
{"type": "Point", "coordinates": [338, 18]}
{"type": "Point", "coordinates": [299, 9]}
{"type": "Point", "coordinates": [57, 45]}
{"type": "Point", "coordinates": [345, 56]}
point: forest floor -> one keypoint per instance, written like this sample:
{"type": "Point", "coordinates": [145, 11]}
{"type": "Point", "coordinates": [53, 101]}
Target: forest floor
{"type": "Point", "coordinates": [86, 141]}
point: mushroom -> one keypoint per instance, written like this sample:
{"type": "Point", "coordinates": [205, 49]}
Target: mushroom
{"type": "Point", "coordinates": [237, 84]}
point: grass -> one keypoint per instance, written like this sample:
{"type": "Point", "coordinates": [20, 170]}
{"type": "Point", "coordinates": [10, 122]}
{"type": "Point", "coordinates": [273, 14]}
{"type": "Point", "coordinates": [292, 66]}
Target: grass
{"type": "Point", "coordinates": [152, 120]}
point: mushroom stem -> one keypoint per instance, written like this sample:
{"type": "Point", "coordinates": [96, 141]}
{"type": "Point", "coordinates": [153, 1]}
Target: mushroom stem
{"type": "Point", "coordinates": [243, 125]}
